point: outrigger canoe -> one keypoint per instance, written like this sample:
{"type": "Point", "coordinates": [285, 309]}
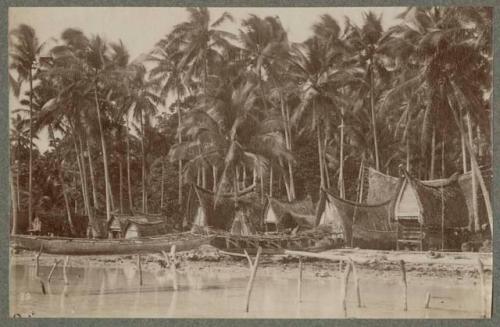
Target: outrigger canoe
{"type": "Point", "coordinates": [80, 246]}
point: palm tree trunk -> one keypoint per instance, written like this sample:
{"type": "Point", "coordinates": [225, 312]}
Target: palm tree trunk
{"type": "Point", "coordinates": [120, 167]}
{"type": "Point", "coordinates": [84, 170]}
{"type": "Point", "coordinates": [341, 167]}
{"type": "Point", "coordinates": [320, 158]}
{"type": "Point", "coordinates": [477, 172]}
{"type": "Point", "coordinates": [30, 164]}
{"type": "Point", "coordinates": [66, 202]}
{"type": "Point", "coordinates": [325, 163]}
{"type": "Point", "coordinates": [288, 143]}
{"type": "Point", "coordinates": [204, 177]}
{"type": "Point", "coordinates": [86, 204]}
{"type": "Point", "coordinates": [18, 184]}
{"type": "Point", "coordinates": [408, 156]}
{"type": "Point", "coordinates": [13, 195]}
{"type": "Point", "coordinates": [433, 152]}
{"type": "Point", "coordinates": [129, 181]}
{"type": "Point", "coordinates": [214, 176]}
{"type": "Point", "coordinates": [271, 181]}
{"type": "Point", "coordinates": [143, 166]}
{"type": "Point", "coordinates": [179, 138]}
{"type": "Point", "coordinates": [464, 148]}
{"type": "Point", "coordinates": [104, 155]}
{"type": "Point", "coordinates": [261, 185]}
{"type": "Point", "coordinates": [92, 177]}
{"type": "Point", "coordinates": [475, 210]}
{"type": "Point", "coordinates": [372, 111]}
{"type": "Point", "coordinates": [162, 185]}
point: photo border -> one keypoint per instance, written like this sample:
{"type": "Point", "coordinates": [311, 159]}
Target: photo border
{"type": "Point", "coordinates": [4, 168]}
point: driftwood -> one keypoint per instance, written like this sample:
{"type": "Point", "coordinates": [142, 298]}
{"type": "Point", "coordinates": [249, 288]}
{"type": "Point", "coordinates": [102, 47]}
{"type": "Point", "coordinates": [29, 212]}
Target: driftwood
{"type": "Point", "coordinates": [405, 285]}
{"type": "Point", "coordinates": [253, 271]}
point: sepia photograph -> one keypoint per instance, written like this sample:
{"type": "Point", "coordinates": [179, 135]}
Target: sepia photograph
{"type": "Point", "coordinates": [250, 162]}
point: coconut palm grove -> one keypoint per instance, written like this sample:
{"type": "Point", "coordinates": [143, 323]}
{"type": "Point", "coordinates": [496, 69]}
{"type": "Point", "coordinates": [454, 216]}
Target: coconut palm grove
{"type": "Point", "coordinates": [251, 111]}
{"type": "Point", "coordinates": [354, 166]}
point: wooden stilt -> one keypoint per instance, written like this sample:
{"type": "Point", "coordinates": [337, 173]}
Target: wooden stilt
{"type": "Point", "coordinates": [139, 267]}
{"type": "Point", "coordinates": [427, 300]}
{"type": "Point", "coordinates": [340, 266]}
{"type": "Point", "coordinates": [65, 274]}
{"type": "Point", "coordinates": [56, 262]}
{"type": "Point", "coordinates": [480, 268]}
{"type": "Point", "coordinates": [173, 268]}
{"type": "Point", "coordinates": [299, 286]}
{"type": "Point", "coordinates": [253, 268]}
{"type": "Point", "coordinates": [347, 273]}
{"type": "Point", "coordinates": [405, 285]}
{"type": "Point", "coordinates": [356, 282]}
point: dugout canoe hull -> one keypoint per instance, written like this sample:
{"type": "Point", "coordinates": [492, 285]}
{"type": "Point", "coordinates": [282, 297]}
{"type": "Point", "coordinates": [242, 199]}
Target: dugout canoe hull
{"type": "Point", "coordinates": [75, 246]}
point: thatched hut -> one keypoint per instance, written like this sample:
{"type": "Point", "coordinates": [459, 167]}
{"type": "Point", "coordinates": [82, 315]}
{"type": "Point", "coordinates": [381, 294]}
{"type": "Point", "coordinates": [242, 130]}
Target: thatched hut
{"type": "Point", "coordinates": [360, 225]}
{"type": "Point", "coordinates": [133, 226]}
{"type": "Point", "coordinates": [279, 215]}
{"type": "Point", "coordinates": [203, 211]}
{"type": "Point", "coordinates": [382, 187]}
{"type": "Point", "coordinates": [428, 213]}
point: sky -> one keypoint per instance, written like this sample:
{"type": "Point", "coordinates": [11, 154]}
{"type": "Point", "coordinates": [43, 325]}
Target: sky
{"type": "Point", "coordinates": [139, 28]}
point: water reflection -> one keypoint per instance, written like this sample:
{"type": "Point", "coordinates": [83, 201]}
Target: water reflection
{"type": "Point", "coordinates": [115, 292]}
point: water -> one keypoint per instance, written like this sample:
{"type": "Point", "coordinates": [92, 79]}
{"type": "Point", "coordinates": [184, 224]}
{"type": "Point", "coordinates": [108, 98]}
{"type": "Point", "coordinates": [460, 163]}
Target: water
{"type": "Point", "coordinates": [115, 292]}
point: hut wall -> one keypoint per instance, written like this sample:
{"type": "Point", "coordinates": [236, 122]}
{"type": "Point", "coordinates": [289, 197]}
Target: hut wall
{"type": "Point", "coordinates": [407, 206]}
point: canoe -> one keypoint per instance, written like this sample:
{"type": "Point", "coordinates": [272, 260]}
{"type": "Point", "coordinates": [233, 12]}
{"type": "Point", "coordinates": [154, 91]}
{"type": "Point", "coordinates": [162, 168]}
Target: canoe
{"type": "Point", "coordinates": [275, 244]}
{"type": "Point", "coordinates": [80, 246]}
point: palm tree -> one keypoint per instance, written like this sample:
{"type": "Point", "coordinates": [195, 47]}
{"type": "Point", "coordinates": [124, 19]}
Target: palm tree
{"type": "Point", "coordinates": [265, 46]}
{"type": "Point", "coordinates": [143, 103]}
{"type": "Point", "coordinates": [24, 51]}
{"type": "Point", "coordinates": [169, 78]}
{"type": "Point", "coordinates": [368, 43]}
{"type": "Point", "coordinates": [314, 69]}
{"type": "Point", "coordinates": [452, 73]}
{"type": "Point", "coordinates": [199, 44]}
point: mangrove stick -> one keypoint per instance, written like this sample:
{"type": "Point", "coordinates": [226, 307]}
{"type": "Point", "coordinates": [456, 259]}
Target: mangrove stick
{"type": "Point", "coordinates": [173, 268]}
{"type": "Point", "coordinates": [299, 286]}
{"type": "Point", "coordinates": [480, 268]}
{"type": "Point", "coordinates": [347, 273]}
{"type": "Point", "coordinates": [356, 282]}
{"type": "Point", "coordinates": [427, 300]}
{"type": "Point", "coordinates": [56, 262]}
{"type": "Point", "coordinates": [253, 267]}
{"type": "Point", "coordinates": [139, 267]}
{"type": "Point", "coordinates": [37, 264]}
{"type": "Point", "coordinates": [65, 275]}
{"type": "Point", "coordinates": [405, 285]}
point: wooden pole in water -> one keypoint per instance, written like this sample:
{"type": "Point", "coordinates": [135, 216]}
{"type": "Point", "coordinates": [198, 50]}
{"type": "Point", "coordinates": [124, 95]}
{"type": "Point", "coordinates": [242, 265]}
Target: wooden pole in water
{"type": "Point", "coordinates": [65, 275]}
{"type": "Point", "coordinates": [299, 286]}
{"type": "Point", "coordinates": [427, 300]}
{"type": "Point", "coordinates": [347, 273]}
{"type": "Point", "coordinates": [480, 268]}
{"type": "Point", "coordinates": [56, 262]}
{"type": "Point", "coordinates": [37, 261]}
{"type": "Point", "coordinates": [173, 268]}
{"type": "Point", "coordinates": [139, 267]}
{"type": "Point", "coordinates": [253, 268]}
{"type": "Point", "coordinates": [405, 285]}
{"type": "Point", "coordinates": [356, 282]}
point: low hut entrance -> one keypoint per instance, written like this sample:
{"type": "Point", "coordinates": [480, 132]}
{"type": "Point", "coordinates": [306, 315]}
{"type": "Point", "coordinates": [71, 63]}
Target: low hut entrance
{"type": "Point", "coordinates": [281, 216]}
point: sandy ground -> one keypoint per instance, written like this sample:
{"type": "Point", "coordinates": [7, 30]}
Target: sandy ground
{"type": "Point", "coordinates": [379, 264]}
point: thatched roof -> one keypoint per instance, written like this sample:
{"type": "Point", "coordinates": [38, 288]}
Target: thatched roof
{"type": "Point", "coordinates": [302, 212]}
{"type": "Point", "coordinates": [220, 214]}
{"type": "Point", "coordinates": [147, 228]}
{"type": "Point", "coordinates": [347, 214]}
{"type": "Point", "coordinates": [381, 187]}
{"type": "Point", "coordinates": [431, 196]}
